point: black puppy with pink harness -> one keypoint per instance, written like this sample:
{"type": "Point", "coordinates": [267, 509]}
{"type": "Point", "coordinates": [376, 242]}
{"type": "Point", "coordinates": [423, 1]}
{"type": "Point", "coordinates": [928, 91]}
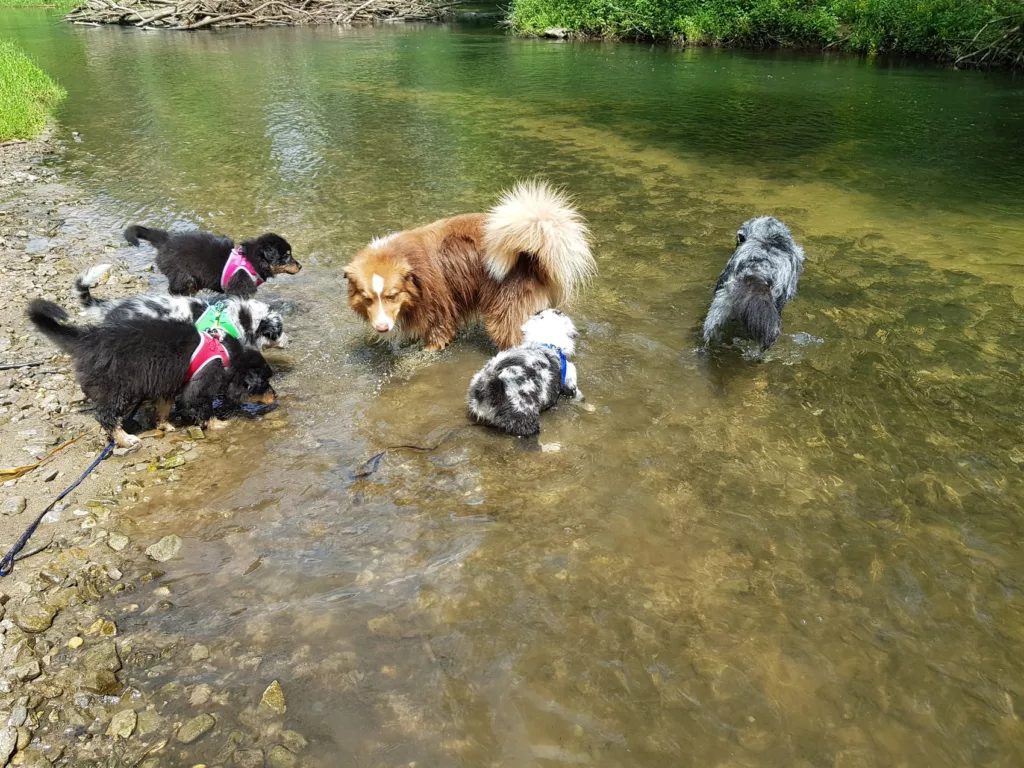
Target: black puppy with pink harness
{"type": "Point", "coordinates": [195, 261]}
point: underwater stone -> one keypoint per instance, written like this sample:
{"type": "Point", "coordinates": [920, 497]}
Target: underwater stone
{"type": "Point", "coordinates": [195, 728]}
{"type": "Point", "coordinates": [34, 617]}
{"type": "Point", "coordinates": [164, 549]}
{"type": "Point", "coordinates": [273, 699]}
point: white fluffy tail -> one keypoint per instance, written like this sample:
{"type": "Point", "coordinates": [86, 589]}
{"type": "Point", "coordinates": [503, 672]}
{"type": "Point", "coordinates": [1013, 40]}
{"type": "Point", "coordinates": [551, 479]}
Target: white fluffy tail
{"type": "Point", "coordinates": [87, 280]}
{"type": "Point", "coordinates": [537, 219]}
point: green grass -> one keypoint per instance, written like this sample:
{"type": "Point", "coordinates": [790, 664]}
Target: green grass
{"type": "Point", "coordinates": [62, 5]}
{"type": "Point", "coordinates": [27, 95]}
{"type": "Point", "coordinates": [943, 29]}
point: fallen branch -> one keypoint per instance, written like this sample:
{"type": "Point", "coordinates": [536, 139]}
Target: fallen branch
{"type": "Point", "coordinates": [204, 14]}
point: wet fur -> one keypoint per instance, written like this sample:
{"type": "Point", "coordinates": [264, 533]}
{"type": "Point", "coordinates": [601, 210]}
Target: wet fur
{"type": "Point", "coordinates": [758, 281]}
{"type": "Point", "coordinates": [528, 253]}
{"type": "Point", "coordinates": [260, 325]}
{"type": "Point", "coordinates": [119, 365]}
{"type": "Point", "coordinates": [194, 261]}
{"type": "Point", "coordinates": [517, 385]}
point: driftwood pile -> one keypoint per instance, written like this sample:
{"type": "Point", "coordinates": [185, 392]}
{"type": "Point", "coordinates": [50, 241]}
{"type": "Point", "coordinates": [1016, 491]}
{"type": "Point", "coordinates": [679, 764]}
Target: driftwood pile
{"type": "Point", "coordinates": [202, 14]}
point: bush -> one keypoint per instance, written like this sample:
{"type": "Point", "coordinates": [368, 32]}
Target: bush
{"type": "Point", "coordinates": [938, 28]}
{"type": "Point", "coordinates": [27, 95]}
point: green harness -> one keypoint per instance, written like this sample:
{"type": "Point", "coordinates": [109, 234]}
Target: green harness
{"type": "Point", "coordinates": [216, 317]}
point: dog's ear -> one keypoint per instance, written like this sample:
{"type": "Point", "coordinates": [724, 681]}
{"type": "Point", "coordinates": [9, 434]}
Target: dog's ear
{"type": "Point", "coordinates": [741, 238]}
{"type": "Point", "coordinates": [412, 284]}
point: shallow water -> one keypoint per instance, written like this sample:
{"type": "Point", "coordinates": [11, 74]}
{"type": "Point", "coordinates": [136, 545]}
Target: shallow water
{"type": "Point", "coordinates": [808, 561]}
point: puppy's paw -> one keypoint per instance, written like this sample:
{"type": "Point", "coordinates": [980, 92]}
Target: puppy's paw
{"type": "Point", "coordinates": [166, 426]}
{"type": "Point", "coordinates": [434, 347]}
{"type": "Point", "coordinates": [215, 423]}
{"type": "Point", "coordinates": [123, 440]}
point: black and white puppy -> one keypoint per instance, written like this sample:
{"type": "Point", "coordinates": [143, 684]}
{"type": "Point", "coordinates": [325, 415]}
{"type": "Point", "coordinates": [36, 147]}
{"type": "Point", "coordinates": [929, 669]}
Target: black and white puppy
{"type": "Point", "coordinates": [516, 385]}
{"type": "Point", "coordinates": [193, 261]}
{"type": "Point", "coordinates": [250, 321]}
{"type": "Point", "coordinates": [122, 364]}
{"type": "Point", "coordinates": [760, 278]}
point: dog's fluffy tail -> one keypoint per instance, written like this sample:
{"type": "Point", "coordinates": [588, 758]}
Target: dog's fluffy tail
{"type": "Point", "coordinates": [85, 282]}
{"type": "Point", "coordinates": [52, 321]}
{"type": "Point", "coordinates": [534, 218]}
{"type": "Point", "coordinates": [155, 237]}
{"type": "Point", "coordinates": [757, 310]}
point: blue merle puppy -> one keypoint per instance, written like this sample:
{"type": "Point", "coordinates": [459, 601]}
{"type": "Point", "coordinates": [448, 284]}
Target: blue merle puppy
{"type": "Point", "coordinates": [516, 385]}
{"type": "Point", "coordinates": [760, 278]}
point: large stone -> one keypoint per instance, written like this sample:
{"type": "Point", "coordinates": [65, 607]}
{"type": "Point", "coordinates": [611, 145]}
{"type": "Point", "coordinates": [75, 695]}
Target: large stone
{"type": "Point", "coordinates": [117, 541]}
{"type": "Point", "coordinates": [14, 505]}
{"type": "Point", "coordinates": [164, 549]}
{"type": "Point", "coordinates": [28, 671]}
{"type": "Point", "coordinates": [147, 722]}
{"type": "Point", "coordinates": [279, 757]}
{"type": "Point", "coordinates": [123, 724]}
{"type": "Point", "coordinates": [34, 617]}
{"type": "Point", "coordinates": [273, 699]}
{"type": "Point", "coordinates": [195, 728]}
{"type": "Point", "coordinates": [199, 652]}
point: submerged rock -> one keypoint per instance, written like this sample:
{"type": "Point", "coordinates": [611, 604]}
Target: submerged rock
{"type": "Point", "coordinates": [199, 652]}
{"type": "Point", "coordinates": [294, 741]}
{"type": "Point", "coordinates": [123, 724]}
{"type": "Point", "coordinates": [249, 758]}
{"type": "Point", "coordinates": [117, 541]}
{"type": "Point", "coordinates": [195, 728]}
{"type": "Point", "coordinates": [279, 757]}
{"type": "Point", "coordinates": [273, 699]}
{"type": "Point", "coordinates": [164, 549]}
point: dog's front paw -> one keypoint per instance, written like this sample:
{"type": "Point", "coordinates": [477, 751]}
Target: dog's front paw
{"type": "Point", "coordinates": [215, 423]}
{"type": "Point", "coordinates": [579, 396]}
{"type": "Point", "coordinates": [166, 426]}
{"type": "Point", "coordinates": [124, 440]}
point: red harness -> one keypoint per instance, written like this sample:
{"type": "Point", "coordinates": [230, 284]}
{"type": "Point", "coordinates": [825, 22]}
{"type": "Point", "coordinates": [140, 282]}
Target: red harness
{"type": "Point", "coordinates": [237, 262]}
{"type": "Point", "coordinates": [208, 350]}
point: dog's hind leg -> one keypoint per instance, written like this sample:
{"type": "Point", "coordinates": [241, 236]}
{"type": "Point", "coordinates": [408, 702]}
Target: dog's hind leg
{"type": "Point", "coordinates": [110, 413]}
{"type": "Point", "coordinates": [163, 415]}
{"type": "Point", "coordinates": [718, 315]}
{"type": "Point", "coordinates": [522, 424]}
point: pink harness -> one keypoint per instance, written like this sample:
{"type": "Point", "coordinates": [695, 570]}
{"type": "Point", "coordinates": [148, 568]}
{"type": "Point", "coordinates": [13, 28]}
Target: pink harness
{"type": "Point", "coordinates": [208, 350]}
{"type": "Point", "coordinates": [236, 261]}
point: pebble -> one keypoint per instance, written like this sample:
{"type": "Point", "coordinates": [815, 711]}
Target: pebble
{"type": "Point", "coordinates": [100, 681]}
{"type": "Point", "coordinates": [273, 699]}
{"type": "Point", "coordinates": [28, 671]}
{"type": "Point", "coordinates": [117, 541]}
{"type": "Point", "coordinates": [75, 642]}
{"type": "Point", "coordinates": [199, 652]}
{"type": "Point", "coordinates": [18, 716]}
{"type": "Point", "coordinates": [15, 505]}
{"type": "Point", "coordinates": [102, 628]}
{"type": "Point", "coordinates": [34, 617]}
{"type": "Point", "coordinates": [123, 724]}
{"type": "Point", "coordinates": [164, 549]}
{"type": "Point", "coordinates": [196, 727]}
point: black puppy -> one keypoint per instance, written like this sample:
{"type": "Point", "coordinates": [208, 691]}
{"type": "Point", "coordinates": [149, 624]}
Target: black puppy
{"type": "Point", "coordinates": [192, 261]}
{"type": "Point", "coordinates": [121, 364]}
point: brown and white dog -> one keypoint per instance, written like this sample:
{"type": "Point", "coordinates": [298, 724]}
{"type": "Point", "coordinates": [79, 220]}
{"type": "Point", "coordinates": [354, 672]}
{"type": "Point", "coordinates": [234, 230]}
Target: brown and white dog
{"type": "Point", "coordinates": [528, 253]}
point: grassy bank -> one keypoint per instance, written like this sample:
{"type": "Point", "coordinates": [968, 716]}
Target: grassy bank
{"type": "Point", "coordinates": [974, 31]}
{"type": "Point", "coordinates": [60, 5]}
{"type": "Point", "coordinates": [27, 95]}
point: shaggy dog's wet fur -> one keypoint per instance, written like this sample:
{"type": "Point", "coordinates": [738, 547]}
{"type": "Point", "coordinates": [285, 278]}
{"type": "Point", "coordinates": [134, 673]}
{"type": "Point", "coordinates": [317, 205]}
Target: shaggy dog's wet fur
{"type": "Point", "coordinates": [260, 325]}
{"type": "Point", "coordinates": [516, 385]}
{"type": "Point", "coordinates": [122, 364]}
{"type": "Point", "coordinates": [193, 261]}
{"type": "Point", "coordinates": [530, 252]}
{"type": "Point", "coordinates": [760, 278]}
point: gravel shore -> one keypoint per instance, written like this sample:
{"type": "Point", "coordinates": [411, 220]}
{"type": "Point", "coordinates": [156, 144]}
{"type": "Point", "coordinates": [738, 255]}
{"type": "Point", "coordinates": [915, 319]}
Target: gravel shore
{"type": "Point", "coordinates": [66, 667]}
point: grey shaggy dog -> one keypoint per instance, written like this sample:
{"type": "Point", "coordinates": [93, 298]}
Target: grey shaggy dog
{"type": "Point", "coordinates": [759, 280]}
{"type": "Point", "coordinates": [516, 385]}
{"type": "Point", "coordinates": [259, 325]}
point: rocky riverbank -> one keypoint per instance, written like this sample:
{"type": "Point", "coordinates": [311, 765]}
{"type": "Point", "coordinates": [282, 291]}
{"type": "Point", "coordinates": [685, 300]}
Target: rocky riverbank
{"type": "Point", "coordinates": [67, 667]}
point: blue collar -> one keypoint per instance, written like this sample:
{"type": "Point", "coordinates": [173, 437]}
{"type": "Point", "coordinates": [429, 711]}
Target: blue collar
{"type": "Point", "coordinates": [561, 359]}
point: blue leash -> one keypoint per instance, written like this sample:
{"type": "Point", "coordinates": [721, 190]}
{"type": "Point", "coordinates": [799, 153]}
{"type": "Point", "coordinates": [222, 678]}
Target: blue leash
{"type": "Point", "coordinates": [7, 564]}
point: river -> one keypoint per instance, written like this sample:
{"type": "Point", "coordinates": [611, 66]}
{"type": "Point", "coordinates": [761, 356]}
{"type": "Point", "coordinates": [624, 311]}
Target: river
{"type": "Point", "coordinates": [813, 560]}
